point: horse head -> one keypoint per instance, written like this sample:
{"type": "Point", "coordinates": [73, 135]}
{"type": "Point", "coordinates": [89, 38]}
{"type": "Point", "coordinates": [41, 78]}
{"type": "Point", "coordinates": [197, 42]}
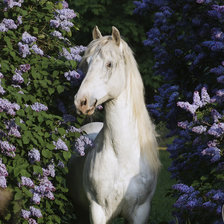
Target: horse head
{"type": "Point", "coordinates": [104, 66]}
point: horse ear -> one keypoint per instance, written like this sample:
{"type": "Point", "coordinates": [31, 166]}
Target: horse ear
{"type": "Point", "coordinates": [96, 33]}
{"type": "Point", "coordinates": [116, 35]}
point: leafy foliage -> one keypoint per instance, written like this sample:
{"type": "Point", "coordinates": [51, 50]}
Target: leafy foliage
{"type": "Point", "coordinates": [37, 84]}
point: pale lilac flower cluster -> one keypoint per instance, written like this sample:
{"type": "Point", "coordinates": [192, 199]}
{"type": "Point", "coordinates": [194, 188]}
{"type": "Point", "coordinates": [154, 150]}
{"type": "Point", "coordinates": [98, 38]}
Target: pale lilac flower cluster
{"type": "Point", "coordinates": [50, 171]}
{"type": "Point", "coordinates": [45, 189]}
{"type": "Point", "coordinates": [7, 24]}
{"type": "Point", "coordinates": [8, 107]}
{"type": "Point", "coordinates": [12, 3]}
{"type": "Point", "coordinates": [7, 149]}
{"type": "Point", "coordinates": [59, 35]}
{"type": "Point", "coordinates": [217, 130]}
{"type": "Point", "coordinates": [71, 75]}
{"type": "Point", "coordinates": [27, 38]}
{"type": "Point", "coordinates": [73, 53]}
{"type": "Point", "coordinates": [63, 18]}
{"type": "Point", "coordinates": [39, 107]}
{"type": "Point", "coordinates": [26, 181]}
{"type": "Point", "coordinates": [13, 128]}
{"type": "Point", "coordinates": [199, 129]}
{"type": "Point", "coordinates": [81, 144]}
{"type": "Point", "coordinates": [28, 44]}
{"type": "Point", "coordinates": [197, 101]}
{"type": "Point", "coordinates": [3, 174]}
{"type": "Point", "coordinates": [34, 155]}
{"type": "Point", "coordinates": [17, 77]}
{"type": "Point", "coordinates": [19, 20]}
{"type": "Point", "coordinates": [60, 144]}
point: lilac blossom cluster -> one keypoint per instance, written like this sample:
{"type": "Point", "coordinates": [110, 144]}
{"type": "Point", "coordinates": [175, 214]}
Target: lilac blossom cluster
{"type": "Point", "coordinates": [39, 107]}
{"type": "Point", "coordinates": [9, 4]}
{"type": "Point", "coordinates": [7, 148]}
{"type": "Point", "coordinates": [60, 144]}
{"type": "Point", "coordinates": [187, 42]}
{"type": "Point", "coordinates": [28, 44]}
{"type": "Point", "coordinates": [7, 24]}
{"type": "Point", "coordinates": [3, 175]}
{"type": "Point", "coordinates": [63, 18]}
{"type": "Point", "coordinates": [34, 155]}
{"type": "Point", "coordinates": [73, 53]}
{"type": "Point", "coordinates": [81, 144]}
{"type": "Point", "coordinates": [8, 107]}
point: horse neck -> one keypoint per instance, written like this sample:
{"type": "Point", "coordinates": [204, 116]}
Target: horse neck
{"type": "Point", "coordinates": [120, 126]}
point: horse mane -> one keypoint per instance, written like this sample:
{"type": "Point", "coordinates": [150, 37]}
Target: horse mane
{"type": "Point", "coordinates": [146, 129]}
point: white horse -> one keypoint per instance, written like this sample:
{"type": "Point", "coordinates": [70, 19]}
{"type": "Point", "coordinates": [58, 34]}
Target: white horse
{"type": "Point", "coordinates": [119, 174]}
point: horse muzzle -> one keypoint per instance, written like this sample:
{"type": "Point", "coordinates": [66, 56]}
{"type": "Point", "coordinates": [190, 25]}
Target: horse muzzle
{"type": "Point", "coordinates": [83, 106]}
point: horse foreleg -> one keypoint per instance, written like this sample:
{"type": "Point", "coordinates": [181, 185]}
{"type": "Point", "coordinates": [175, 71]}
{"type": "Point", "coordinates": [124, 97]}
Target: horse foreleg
{"type": "Point", "coordinates": [141, 213]}
{"type": "Point", "coordinates": [97, 214]}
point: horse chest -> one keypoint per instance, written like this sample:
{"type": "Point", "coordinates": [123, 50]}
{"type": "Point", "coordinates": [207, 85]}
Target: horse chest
{"type": "Point", "coordinates": [111, 181]}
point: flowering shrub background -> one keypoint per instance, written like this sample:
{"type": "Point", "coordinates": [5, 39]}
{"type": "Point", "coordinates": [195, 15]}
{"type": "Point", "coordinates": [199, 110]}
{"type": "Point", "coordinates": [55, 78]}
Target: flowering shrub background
{"type": "Point", "coordinates": [38, 80]}
{"type": "Point", "coordinates": [187, 41]}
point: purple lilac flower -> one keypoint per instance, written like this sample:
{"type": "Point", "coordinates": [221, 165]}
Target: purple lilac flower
{"type": "Point", "coordinates": [35, 212]}
{"type": "Point", "coordinates": [24, 49]}
{"type": "Point", "coordinates": [11, 3]}
{"type": "Point", "coordinates": [205, 98]}
{"type": "Point", "coordinates": [50, 171]}
{"type": "Point", "coordinates": [55, 23]}
{"type": "Point", "coordinates": [3, 28]}
{"type": "Point", "coordinates": [81, 143]}
{"type": "Point", "coordinates": [183, 124]}
{"type": "Point", "coordinates": [39, 107]}
{"type": "Point", "coordinates": [66, 25]}
{"type": "Point", "coordinates": [216, 115]}
{"type": "Point", "coordinates": [25, 67]}
{"type": "Point", "coordinates": [36, 198]}
{"type": "Point", "coordinates": [50, 195]}
{"type": "Point", "coordinates": [64, 4]}
{"type": "Point", "coordinates": [8, 107]}
{"type": "Point", "coordinates": [37, 50]}
{"type": "Point", "coordinates": [209, 204]}
{"type": "Point", "coordinates": [183, 188]}
{"type": "Point", "coordinates": [216, 130]}
{"type": "Point", "coordinates": [9, 24]}
{"type": "Point", "coordinates": [26, 181]}
{"type": "Point", "coordinates": [1, 76]}
{"type": "Point", "coordinates": [32, 221]}
{"type": "Point", "coordinates": [25, 214]}
{"type": "Point", "coordinates": [199, 129]}
{"type": "Point", "coordinates": [17, 77]}
{"type": "Point", "coordinates": [197, 99]}
{"type": "Point", "coordinates": [7, 148]}
{"type": "Point", "coordinates": [3, 182]}
{"type": "Point", "coordinates": [218, 196]}
{"type": "Point", "coordinates": [3, 171]}
{"type": "Point", "coordinates": [27, 38]}
{"type": "Point", "coordinates": [61, 164]}
{"type": "Point", "coordinates": [60, 144]}
{"type": "Point", "coordinates": [34, 155]}
{"type": "Point", "coordinates": [19, 20]}
{"type": "Point", "coordinates": [70, 75]}
{"type": "Point", "coordinates": [66, 14]}
{"type": "Point", "coordinates": [73, 129]}
{"type": "Point", "coordinates": [220, 79]}
{"type": "Point", "coordinates": [188, 107]}
{"type": "Point", "coordinates": [2, 91]}
{"type": "Point", "coordinates": [213, 152]}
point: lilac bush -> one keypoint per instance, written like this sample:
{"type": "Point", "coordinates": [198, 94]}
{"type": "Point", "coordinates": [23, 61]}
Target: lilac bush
{"type": "Point", "coordinates": [187, 42]}
{"type": "Point", "coordinates": [37, 129]}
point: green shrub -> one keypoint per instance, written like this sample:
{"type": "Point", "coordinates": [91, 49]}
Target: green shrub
{"type": "Point", "coordinates": [37, 84]}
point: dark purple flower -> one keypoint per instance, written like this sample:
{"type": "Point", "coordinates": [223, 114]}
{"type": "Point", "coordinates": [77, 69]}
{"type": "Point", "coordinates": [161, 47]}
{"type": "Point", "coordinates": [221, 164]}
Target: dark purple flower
{"type": "Point", "coordinates": [25, 67]}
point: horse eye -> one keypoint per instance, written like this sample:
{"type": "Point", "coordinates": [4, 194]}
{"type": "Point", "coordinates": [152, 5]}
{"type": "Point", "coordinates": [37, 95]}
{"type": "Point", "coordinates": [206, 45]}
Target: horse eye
{"type": "Point", "coordinates": [109, 65]}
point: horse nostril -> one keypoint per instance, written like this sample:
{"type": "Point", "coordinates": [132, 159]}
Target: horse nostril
{"type": "Point", "coordinates": [84, 102]}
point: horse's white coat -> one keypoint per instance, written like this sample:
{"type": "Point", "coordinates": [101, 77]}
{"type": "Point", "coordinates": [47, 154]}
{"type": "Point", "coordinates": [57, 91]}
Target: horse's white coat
{"type": "Point", "coordinates": [120, 172]}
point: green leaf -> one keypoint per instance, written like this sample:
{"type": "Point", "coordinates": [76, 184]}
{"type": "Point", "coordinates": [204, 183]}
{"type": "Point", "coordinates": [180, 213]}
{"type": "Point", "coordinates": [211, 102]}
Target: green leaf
{"type": "Point", "coordinates": [46, 153]}
{"type": "Point", "coordinates": [37, 169]}
{"type": "Point", "coordinates": [66, 155]}
{"type": "Point", "coordinates": [18, 195]}
{"type": "Point", "coordinates": [60, 89]}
